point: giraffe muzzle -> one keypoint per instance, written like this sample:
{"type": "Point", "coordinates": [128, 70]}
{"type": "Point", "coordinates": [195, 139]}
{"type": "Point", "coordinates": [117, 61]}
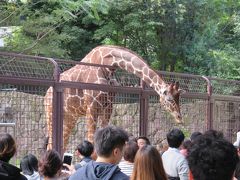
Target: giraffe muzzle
{"type": "Point", "coordinates": [178, 119]}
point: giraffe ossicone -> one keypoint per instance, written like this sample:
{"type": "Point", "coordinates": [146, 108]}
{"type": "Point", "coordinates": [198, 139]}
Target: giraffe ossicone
{"type": "Point", "coordinates": [97, 105]}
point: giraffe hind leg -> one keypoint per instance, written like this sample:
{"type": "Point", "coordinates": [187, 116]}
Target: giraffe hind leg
{"type": "Point", "coordinates": [106, 115]}
{"type": "Point", "coordinates": [91, 117]}
{"type": "Point", "coordinates": [68, 125]}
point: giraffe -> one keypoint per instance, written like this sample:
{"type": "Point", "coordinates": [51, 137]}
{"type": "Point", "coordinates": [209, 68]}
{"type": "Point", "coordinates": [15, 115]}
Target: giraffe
{"type": "Point", "coordinates": [97, 105]}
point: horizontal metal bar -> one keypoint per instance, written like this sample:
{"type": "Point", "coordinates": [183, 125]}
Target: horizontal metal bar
{"type": "Point", "coordinates": [226, 98]}
{"type": "Point", "coordinates": [26, 81]}
{"type": "Point", "coordinates": [179, 74]}
{"type": "Point", "coordinates": [91, 86]}
{"type": "Point", "coordinates": [195, 95]}
{"type": "Point", "coordinates": [131, 90]}
{"type": "Point", "coordinates": [7, 124]}
{"type": "Point", "coordinates": [52, 60]}
{"type": "Point", "coordinates": [224, 80]}
{"type": "Point", "coordinates": [100, 87]}
{"type": "Point", "coordinates": [185, 95]}
{"type": "Point", "coordinates": [19, 55]}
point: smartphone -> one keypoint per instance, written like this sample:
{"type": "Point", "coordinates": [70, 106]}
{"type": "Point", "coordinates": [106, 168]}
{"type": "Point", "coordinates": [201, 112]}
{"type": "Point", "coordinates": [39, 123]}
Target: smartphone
{"type": "Point", "coordinates": [67, 158]}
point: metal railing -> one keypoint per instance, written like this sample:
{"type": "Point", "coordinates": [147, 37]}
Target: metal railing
{"type": "Point", "coordinates": [209, 94]}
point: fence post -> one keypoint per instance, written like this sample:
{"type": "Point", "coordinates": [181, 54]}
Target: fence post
{"type": "Point", "coordinates": [57, 111]}
{"type": "Point", "coordinates": [57, 123]}
{"type": "Point", "coordinates": [209, 118]}
{"type": "Point", "coordinates": [143, 128]}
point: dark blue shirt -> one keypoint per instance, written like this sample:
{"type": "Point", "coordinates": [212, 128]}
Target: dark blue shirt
{"type": "Point", "coordinates": [99, 171]}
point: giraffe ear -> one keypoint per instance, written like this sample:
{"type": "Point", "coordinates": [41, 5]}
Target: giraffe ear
{"type": "Point", "coordinates": [181, 91]}
{"type": "Point", "coordinates": [171, 86]}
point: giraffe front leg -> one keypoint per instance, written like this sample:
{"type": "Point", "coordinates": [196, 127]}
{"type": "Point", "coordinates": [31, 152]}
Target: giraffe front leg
{"type": "Point", "coordinates": [49, 137]}
{"type": "Point", "coordinates": [48, 110]}
{"type": "Point", "coordinates": [68, 125]}
{"type": "Point", "coordinates": [91, 117]}
{"type": "Point", "coordinates": [48, 141]}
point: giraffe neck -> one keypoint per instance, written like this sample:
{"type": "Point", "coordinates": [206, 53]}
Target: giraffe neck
{"type": "Point", "coordinates": [126, 60]}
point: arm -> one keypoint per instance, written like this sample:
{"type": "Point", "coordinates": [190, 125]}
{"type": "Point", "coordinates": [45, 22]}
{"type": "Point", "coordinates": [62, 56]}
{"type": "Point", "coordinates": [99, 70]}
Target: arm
{"type": "Point", "coordinates": [183, 170]}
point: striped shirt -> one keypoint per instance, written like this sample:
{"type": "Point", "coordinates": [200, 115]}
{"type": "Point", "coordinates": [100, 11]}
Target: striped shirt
{"type": "Point", "coordinates": [126, 167]}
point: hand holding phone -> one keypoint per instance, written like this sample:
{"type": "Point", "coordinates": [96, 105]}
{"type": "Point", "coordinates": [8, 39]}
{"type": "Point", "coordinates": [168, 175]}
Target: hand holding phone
{"type": "Point", "coordinates": [67, 158]}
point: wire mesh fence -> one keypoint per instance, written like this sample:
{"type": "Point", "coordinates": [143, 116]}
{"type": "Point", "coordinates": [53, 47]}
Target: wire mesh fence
{"type": "Point", "coordinates": [24, 81]}
{"type": "Point", "coordinates": [14, 65]}
{"type": "Point", "coordinates": [22, 115]}
{"type": "Point", "coordinates": [160, 121]}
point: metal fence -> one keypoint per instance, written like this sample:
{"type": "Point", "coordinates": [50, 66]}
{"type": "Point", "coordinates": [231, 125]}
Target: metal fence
{"type": "Point", "coordinates": [209, 103]}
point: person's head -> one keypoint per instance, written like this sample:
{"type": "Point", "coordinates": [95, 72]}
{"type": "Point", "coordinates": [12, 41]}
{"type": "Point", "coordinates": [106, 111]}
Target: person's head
{"type": "Point", "coordinates": [187, 144]}
{"type": "Point", "coordinates": [214, 134]}
{"type": "Point", "coordinates": [130, 151]}
{"type": "Point", "coordinates": [29, 164]}
{"type": "Point", "coordinates": [131, 137]}
{"type": "Point", "coordinates": [142, 141]}
{"type": "Point", "coordinates": [85, 148]}
{"type": "Point", "coordinates": [163, 146]}
{"type": "Point", "coordinates": [185, 147]}
{"type": "Point", "coordinates": [195, 135]}
{"type": "Point", "coordinates": [7, 147]}
{"type": "Point", "coordinates": [109, 142]}
{"type": "Point", "coordinates": [212, 158]}
{"type": "Point", "coordinates": [50, 164]}
{"type": "Point", "coordinates": [175, 138]}
{"type": "Point", "coordinates": [148, 164]}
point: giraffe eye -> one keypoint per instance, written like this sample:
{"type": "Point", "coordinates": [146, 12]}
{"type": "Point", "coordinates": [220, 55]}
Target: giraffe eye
{"type": "Point", "coordinates": [165, 92]}
{"type": "Point", "coordinates": [169, 99]}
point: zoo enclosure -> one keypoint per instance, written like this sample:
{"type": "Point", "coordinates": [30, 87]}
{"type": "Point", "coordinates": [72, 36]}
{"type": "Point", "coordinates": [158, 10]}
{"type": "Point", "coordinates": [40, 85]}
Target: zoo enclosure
{"type": "Point", "coordinates": [209, 103]}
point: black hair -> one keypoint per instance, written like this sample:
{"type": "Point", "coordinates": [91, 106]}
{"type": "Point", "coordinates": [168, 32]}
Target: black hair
{"type": "Point", "coordinates": [130, 151]}
{"type": "Point", "coordinates": [50, 163]}
{"type": "Point", "coordinates": [214, 134]}
{"type": "Point", "coordinates": [7, 147]}
{"type": "Point", "coordinates": [131, 137]}
{"type": "Point", "coordinates": [85, 148]}
{"type": "Point", "coordinates": [195, 135]}
{"type": "Point", "coordinates": [108, 138]}
{"type": "Point", "coordinates": [29, 164]}
{"type": "Point", "coordinates": [237, 171]}
{"type": "Point", "coordinates": [175, 138]}
{"type": "Point", "coordinates": [212, 157]}
{"type": "Point", "coordinates": [144, 138]}
{"type": "Point", "coordinates": [187, 145]}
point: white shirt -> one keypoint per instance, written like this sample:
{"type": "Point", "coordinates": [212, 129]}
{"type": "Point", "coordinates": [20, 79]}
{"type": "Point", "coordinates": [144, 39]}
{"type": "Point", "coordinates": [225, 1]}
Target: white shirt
{"type": "Point", "coordinates": [34, 176]}
{"type": "Point", "coordinates": [175, 164]}
{"type": "Point", "coordinates": [126, 168]}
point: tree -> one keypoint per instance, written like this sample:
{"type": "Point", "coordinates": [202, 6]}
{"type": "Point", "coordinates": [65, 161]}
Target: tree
{"type": "Point", "coordinates": [58, 28]}
{"type": "Point", "coordinates": [155, 29]}
{"type": "Point", "coordinates": [193, 36]}
{"type": "Point", "coordinates": [214, 48]}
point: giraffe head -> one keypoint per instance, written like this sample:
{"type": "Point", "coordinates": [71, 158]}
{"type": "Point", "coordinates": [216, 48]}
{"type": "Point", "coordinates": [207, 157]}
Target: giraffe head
{"type": "Point", "coordinates": [169, 98]}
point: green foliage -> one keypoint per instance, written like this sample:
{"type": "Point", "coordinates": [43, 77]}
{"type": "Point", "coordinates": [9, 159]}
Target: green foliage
{"type": "Point", "coordinates": [213, 49]}
{"type": "Point", "coordinates": [193, 36]}
{"type": "Point", "coordinates": [55, 28]}
{"type": "Point", "coordinates": [227, 63]}
{"type": "Point", "coordinates": [8, 11]}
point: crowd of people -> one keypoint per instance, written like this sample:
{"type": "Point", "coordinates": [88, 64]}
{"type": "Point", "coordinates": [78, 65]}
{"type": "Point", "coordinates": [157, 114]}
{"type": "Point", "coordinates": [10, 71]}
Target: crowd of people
{"type": "Point", "coordinates": [205, 156]}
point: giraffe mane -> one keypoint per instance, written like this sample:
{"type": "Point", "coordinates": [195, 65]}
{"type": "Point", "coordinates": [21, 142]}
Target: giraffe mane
{"type": "Point", "coordinates": [125, 49]}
